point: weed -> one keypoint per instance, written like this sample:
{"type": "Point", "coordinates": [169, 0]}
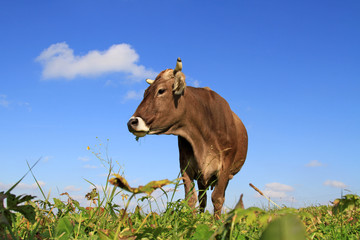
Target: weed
{"type": "Point", "coordinates": [26, 218]}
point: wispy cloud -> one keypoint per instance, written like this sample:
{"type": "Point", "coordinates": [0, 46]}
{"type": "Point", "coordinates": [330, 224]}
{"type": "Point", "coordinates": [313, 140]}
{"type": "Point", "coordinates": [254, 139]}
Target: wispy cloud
{"type": "Point", "coordinates": [335, 184]}
{"type": "Point", "coordinates": [3, 101]}
{"type": "Point", "coordinates": [110, 83]}
{"type": "Point", "coordinates": [25, 105]}
{"type": "Point", "coordinates": [84, 159]}
{"type": "Point", "coordinates": [314, 163]}
{"type": "Point", "coordinates": [59, 61]}
{"type": "Point", "coordinates": [278, 190]}
{"type": "Point", "coordinates": [22, 186]}
{"type": "Point", "coordinates": [133, 95]}
{"type": "Point", "coordinates": [196, 83]}
{"type": "Point", "coordinates": [90, 166]}
{"type": "Point", "coordinates": [97, 186]}
{"type": "Point", "coordinates": [72, 188]}
{"type": "Point", "coordinates": [192, 82]}
{"type": "Point", "coordinates": [274, 194]}
{"type": "Point", "coordinates": [47, 158]}
{"type": "Point", "coordinates": [279, 187]}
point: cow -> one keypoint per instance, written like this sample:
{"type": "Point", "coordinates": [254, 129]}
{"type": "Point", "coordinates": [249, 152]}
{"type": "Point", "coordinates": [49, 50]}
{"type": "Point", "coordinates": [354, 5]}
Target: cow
{"type": "Point", "coordinates": [212, 139]}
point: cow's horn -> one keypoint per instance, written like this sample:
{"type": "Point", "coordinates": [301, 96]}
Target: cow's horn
{"type": "Point", "coordinates": [178, 67]}
{"type": "Point", "coordinates": [149, 81]}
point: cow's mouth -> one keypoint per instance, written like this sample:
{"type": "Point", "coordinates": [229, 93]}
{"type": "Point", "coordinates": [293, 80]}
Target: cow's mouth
{"type": "Point", "coordinates": [137, 126]}
{"type": "Point", "coordinates": [140, 133]}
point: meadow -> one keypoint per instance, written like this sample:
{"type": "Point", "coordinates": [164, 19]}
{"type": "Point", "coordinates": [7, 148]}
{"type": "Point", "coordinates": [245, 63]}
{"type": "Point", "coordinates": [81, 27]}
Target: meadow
{"type": "Point", "coordinates": [27, 217]}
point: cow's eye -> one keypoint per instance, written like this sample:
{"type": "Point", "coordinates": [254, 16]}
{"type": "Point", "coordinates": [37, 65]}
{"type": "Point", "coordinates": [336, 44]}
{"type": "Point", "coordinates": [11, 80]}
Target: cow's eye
{"type": "Point", "coordinates": [161, 91]}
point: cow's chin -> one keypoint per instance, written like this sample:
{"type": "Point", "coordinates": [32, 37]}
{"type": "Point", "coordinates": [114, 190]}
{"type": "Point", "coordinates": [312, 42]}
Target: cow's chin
{"type": "Point", "coordinates": [140, 133]}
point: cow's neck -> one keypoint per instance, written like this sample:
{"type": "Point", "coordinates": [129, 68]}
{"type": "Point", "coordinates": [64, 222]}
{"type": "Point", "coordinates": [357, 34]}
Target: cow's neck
{"type": "Point", "coordinates": [196, 127]}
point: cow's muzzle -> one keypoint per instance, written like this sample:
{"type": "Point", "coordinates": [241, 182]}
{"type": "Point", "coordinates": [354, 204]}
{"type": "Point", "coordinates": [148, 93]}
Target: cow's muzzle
{"type": "Point", "coordinates": [137, 126]}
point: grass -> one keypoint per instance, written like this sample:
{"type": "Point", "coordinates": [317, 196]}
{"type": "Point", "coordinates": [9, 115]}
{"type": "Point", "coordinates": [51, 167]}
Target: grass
{"type": "Point", "coordinates": [23, 217]}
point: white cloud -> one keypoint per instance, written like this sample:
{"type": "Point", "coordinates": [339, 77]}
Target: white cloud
{"type": "Point", "coordinates": [47, 158]}
{"type": "Point", "coordinates": [72, 188]}
{"type": "Point", "coordinates": [192, 82]}
{"type": "Point", "coordinates": [90, 166]}
{"type": "Point", "coordinates": [97, 186]}
{"type": "Point", "coordinates": [30, 186]}
{"type": "Point", "coordinates": [279, 187]}
{"type": "Point", "coordinates": [133, 95]}
{"type": "Point", "coordinates": [22, 186]}
{"type": "Point", "coordinates": [3, 101]}
{"type": "Point", "coordinates": [81, 199]}
{"type": "Point", "coordinates": [336, 184]}
{"type": "Point", "coordinates": [278, 190]}
{"type": "Point", "coordinates": [314, 163]}
{"type": "Point", "coordinates": [84, 159]}
{"type": "Point", "coordinates": [110, 83]}
{"type": "Point", "coordinates": [59, 61]}
{"type": "Point", "coordinates": [274, 194]}
{"type": "Point", "coordinates": [196, 83]}
{"type": "Point", "coordinates": [25, 105]}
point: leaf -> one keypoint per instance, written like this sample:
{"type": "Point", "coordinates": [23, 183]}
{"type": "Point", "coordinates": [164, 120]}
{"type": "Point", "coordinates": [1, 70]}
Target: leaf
{"type": "Point", "coordinates": [153, 185]}
{"type": "Point", "coordinates": [347, 202]}
{"type": "Point", "coordinates": [64, 228]}
{"type": "Point", "coordinates": [3, 220]}
{"type": "Point", "coordinates": [202, 232]}
{"type": "Point", "coordinates": [287, 210]}
{"type": "Point", "coordinates": [104, 235]}
{"type": "Point", "coordinates": [28, 212]}
{"type": "Point", "coordinates": [59, 204]}
{"type": "Point", "coordinates": [14, 202]}
{"type": "Point", "coordinates": [263, 219]}
{"type": "Point", "coordinates": [121, 182]}
{"type": "Point", "coordinates": [91, 195]}
{"type": "Point", "coordinates": [287, 227]}
{"type": "Point", "coordinates": [77, 205]}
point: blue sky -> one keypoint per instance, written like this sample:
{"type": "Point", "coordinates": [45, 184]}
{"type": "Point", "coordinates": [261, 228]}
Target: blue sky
{"type": "Point", "coordinates": [72, 74]}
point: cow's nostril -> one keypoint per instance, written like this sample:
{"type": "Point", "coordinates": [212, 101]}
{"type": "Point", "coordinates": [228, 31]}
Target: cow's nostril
{"type": "Point", "coordinates": [134, 122]}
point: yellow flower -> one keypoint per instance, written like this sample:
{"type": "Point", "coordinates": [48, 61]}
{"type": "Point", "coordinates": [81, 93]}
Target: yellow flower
{"type": "Point", "coordinates": [88, 148]}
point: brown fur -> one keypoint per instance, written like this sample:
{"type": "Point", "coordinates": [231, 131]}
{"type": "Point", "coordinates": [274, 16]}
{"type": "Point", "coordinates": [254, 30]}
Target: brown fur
{"type": "Point", "coordinates": [212, 139]}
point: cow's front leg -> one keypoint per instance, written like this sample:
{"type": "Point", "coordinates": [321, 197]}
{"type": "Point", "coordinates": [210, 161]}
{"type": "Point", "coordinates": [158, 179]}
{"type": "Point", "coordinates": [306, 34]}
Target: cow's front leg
{"type": "Point", "coordinates": [202, 195]}
{"type": "Point", "coordinates": [218, 195]}
{"type": "Point", "coordinates": [190, 193]}
{"type": "Point", "coordinates": [186, 156]}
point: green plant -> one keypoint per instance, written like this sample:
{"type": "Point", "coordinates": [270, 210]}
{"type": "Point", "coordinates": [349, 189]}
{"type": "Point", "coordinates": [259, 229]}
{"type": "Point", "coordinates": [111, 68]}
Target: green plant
{"type": "Point", "coordinates": [108, 216]}
{"type": "Point", "coordinates": [15, 204]}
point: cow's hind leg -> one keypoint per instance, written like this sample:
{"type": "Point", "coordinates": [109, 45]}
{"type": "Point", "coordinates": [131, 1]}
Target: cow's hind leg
{"type": "Point", "coordinates": [202, 195]}
{"type": "Point", "coordinates": [218, 195]}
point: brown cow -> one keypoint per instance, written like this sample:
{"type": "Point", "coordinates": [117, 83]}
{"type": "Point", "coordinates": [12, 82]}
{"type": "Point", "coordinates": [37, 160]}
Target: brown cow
{"type": "Point", "coordinates": [212, 139]}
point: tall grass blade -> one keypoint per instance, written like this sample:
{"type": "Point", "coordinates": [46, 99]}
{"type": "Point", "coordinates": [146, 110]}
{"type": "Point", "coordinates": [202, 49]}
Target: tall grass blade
{"type": "Point", "coordinates": [8, 191]}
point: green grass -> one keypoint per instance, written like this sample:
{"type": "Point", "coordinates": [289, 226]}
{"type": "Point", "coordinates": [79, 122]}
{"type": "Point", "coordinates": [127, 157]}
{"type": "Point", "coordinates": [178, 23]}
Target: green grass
{"type": "Point", "coordinates": [109, 217]}
{"type": "Point", "coordinates": [45, 219]}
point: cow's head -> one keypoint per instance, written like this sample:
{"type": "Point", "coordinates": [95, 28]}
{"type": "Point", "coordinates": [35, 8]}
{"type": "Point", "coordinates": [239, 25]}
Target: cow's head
{"type": "Point", "coordinates": [161, 109]}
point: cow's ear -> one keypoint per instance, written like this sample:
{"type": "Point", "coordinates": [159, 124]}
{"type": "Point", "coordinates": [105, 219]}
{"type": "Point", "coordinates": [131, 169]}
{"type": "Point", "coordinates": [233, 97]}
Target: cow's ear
{"type": "Point", "coordinates": [179, 84]}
